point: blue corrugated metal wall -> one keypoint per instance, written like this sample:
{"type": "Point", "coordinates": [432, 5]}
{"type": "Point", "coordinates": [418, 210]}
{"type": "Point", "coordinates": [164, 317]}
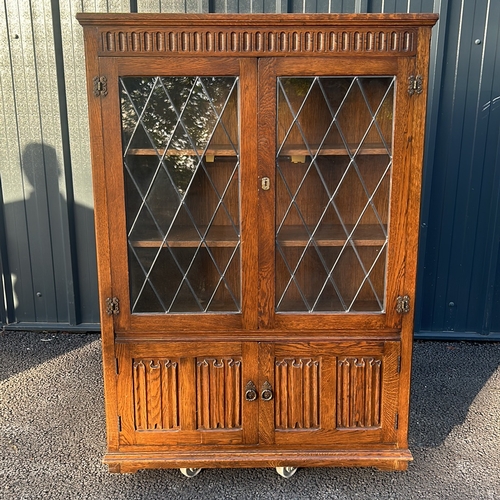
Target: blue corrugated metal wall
{"type": "Point", "coordinates": [459, 285]}
{"type": "Point", "coordinates": [47, 248]}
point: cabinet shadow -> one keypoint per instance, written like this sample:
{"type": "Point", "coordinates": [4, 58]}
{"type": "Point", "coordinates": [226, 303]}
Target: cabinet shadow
{"type": "Point", "coordinates": [446, 379]}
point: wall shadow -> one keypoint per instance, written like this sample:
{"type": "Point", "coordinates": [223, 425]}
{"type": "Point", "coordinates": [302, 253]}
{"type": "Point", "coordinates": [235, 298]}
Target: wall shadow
{"type": "Point", "coordinates": [38, 248]}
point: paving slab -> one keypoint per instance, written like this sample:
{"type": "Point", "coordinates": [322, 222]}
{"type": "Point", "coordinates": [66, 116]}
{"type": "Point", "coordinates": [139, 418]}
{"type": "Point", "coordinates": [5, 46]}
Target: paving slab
{"type": "Point", "coordinates": [52, 434]}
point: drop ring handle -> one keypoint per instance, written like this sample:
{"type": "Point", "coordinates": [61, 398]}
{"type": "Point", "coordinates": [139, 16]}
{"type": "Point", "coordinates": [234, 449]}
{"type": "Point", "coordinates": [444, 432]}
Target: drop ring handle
{"type": "Point", "coordinates": [267, 391]}
{"type": "Point", "coordinates": [250, 391]}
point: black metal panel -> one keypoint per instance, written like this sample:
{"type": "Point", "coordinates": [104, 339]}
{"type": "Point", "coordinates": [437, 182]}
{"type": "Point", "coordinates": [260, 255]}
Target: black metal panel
{"type": "Point", "coordinates": [459, 265]}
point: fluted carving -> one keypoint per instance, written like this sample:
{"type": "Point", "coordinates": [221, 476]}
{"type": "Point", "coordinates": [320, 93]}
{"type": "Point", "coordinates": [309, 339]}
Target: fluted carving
{"type": "Point", "coordinates": [297, 391]}
{"type": "Point", "coordinates": [259, 41]}
{"type": "Point", "coordinates": [359, 387]}
{"type": "Point", "coordinates": [156, 394]}
{"type": "Point", "coordinates": [218, 393]}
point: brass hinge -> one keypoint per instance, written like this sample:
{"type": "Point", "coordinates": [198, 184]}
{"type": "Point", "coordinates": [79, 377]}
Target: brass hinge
{"type": "Point", "coordinates": [399, 364]}
{"type": "Point", "coordinates": [396, 421]}
{"type": "Point", "coordinates": [100, 86]}
{"type": "Point", "coordinates": [415, 84]}
{"type": "Point", "coordinates": [119, 423]}
{"type": "Point", "coordinates": [403, 304]}
{"type": "Point", "coordinates": [112, 306]}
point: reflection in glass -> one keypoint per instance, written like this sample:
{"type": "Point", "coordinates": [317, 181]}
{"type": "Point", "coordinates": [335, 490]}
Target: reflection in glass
{"type": "Point", "coordinates": [181, 167]}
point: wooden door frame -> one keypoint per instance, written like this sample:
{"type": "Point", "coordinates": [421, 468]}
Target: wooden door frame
{"type": "Point", "coordinates": [269, 69]}
{"type": "Point", "coordinates": [245, 69]}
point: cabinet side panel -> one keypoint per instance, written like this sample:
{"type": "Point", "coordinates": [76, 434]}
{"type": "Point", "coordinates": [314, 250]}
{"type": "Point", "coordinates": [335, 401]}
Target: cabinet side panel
{"type": "Point", "coordinates": [414, 197]}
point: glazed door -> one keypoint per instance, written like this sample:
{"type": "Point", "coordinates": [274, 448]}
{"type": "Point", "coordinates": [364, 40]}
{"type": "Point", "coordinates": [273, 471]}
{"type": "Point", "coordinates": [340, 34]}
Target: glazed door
{"type": "Point", "coordinates": [176, 168]}
{"type": "Point", "coordinates": [329, 394]}
{"type": "Point", "coordinates": [332, 194]}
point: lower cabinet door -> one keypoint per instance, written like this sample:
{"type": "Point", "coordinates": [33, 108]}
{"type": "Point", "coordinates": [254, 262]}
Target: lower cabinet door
{"type": "Point", "coordinates": [335, 395]}
{"type": "Point", "coordinates": [187, 393]}
{"type": "Point", "coordinates": [326, 394]}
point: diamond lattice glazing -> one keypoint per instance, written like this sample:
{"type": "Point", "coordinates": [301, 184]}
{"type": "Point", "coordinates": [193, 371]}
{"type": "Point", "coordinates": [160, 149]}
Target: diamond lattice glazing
{"type": "Point", "coordinates": [181, 168]}
{"type": "Point", "coordinates": [334, 147]}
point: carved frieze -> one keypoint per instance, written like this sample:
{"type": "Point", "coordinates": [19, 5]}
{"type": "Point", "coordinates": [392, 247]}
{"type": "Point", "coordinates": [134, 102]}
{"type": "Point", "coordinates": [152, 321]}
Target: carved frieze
{"type": "Point", "coordinates": [258, 41]}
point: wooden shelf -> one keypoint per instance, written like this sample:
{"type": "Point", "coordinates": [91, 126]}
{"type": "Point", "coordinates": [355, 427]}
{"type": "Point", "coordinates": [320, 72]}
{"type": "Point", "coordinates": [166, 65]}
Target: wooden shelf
{"type": "Point", "coordinates": [221, 150]}
{"type": "Point", "coordinates": [332, 150]}
{"type": "Point", "coordinates": [187, 237]}
{"type": "Point", "coordinates": [332, 235]}
{"type": "Point", "coordinates": [292, 150]}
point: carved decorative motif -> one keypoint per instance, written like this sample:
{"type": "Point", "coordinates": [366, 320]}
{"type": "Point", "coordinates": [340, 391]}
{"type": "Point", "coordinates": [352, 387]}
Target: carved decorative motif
{"type": "Point", "coordinates": [218, 393]}
{"type": "Point", "coordinates": [359, 389]}
{"type": "Point", "coordinates": [156, 394]}
{"type": "Point", "coordinates": [259, 41]}
{"type": "Point", "coordinates": [297, 393]}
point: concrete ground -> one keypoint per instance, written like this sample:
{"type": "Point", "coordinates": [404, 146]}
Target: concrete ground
{"type": "Point", "coordinates": [52, 433]}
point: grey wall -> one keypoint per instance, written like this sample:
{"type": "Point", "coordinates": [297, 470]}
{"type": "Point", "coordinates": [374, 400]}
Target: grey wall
{"type": "Point", "coordinates": [47, 247]}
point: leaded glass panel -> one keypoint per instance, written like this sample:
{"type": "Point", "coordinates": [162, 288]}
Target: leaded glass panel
{"type": "Point", "coordinates": [333, 162]}
{"type": "Point", "coordinates": [181, 168]}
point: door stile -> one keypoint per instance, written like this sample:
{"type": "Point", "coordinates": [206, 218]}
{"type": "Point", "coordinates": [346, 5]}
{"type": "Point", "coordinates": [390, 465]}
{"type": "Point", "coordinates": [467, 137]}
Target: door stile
{"type": "Point", "coordinates": [390, 396]}
{"type": "Point", "coordinates": [115, 193]}
{"type": "Point", "coordinates": [267, 408]}
{"type": "Point", "coordinates": [399, 208]}
{"type": "Point", "coordinates": [267, 190]}
{"type": "Point", "coordinates": [250, 409]}
{"type": "Point", "coordinates": [249, 202]}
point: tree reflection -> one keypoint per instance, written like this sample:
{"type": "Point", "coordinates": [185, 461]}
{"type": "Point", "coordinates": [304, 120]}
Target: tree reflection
{"type": "Point", "coordinates": [176, 119]}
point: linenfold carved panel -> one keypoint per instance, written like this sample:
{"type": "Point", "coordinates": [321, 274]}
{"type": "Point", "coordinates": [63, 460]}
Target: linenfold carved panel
{"type": "Point", "coordinates": [156, 394]}
{"type": "Point", "coordinates": [218, 393]}
{"type": "Point", "coordinates": [359, 389]}
{"type": "Point", "coordinates": [259, 41]}
{"type": "Point", "coordinates": [297, 388]}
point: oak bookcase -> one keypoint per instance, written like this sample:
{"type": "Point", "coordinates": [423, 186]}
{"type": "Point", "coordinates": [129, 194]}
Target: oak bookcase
{"type": "Point", "coordinates": [257, 189]}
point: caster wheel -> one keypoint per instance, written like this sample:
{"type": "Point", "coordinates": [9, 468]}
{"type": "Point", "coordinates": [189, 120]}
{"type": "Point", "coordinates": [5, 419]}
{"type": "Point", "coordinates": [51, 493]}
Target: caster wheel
{"type": "Point", "coordinates": [190, 472]}
{"type": "Point", "coordinates": [286, 472]}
